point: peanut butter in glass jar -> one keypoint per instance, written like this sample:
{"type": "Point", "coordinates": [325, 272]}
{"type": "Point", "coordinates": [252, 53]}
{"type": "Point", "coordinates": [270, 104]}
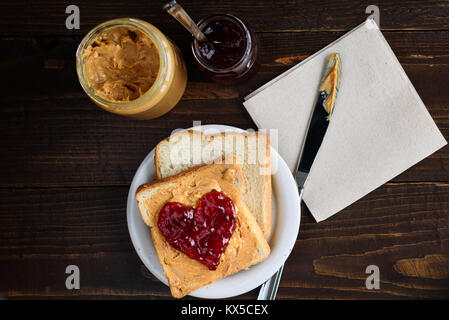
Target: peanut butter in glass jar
{"type": "Point", "coordinates": [128, 67]}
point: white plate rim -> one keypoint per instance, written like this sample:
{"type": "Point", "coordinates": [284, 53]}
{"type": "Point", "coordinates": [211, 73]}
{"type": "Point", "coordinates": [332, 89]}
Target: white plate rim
{"type": "Point", "coordinates": [255, 275]}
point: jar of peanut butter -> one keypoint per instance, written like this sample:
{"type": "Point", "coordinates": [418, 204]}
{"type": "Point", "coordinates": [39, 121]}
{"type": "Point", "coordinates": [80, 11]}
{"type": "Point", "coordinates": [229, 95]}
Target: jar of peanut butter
{"type": "Point", "coordinates": [128, 67]}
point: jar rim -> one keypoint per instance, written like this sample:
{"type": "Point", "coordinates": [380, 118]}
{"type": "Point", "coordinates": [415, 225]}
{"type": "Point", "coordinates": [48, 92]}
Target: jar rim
{"type": "Point", "coordinates": [140, 25]}
{"type": "Point", "coordinates": [203, 22]}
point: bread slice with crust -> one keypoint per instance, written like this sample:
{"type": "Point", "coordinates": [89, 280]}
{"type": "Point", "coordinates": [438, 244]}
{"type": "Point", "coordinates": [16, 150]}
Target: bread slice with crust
{"type": "Point", "coordinates": [251, 149]}
{"type": "Point", "coordinates": [246, 247]}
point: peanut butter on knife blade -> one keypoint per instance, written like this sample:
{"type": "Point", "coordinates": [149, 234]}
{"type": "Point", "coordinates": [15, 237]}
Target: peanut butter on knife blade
{"type": "Point", "coordinates": [329, 84]}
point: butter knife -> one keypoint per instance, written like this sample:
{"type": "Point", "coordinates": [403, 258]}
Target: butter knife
{"type": "Point", "coordinates": [319, 122]}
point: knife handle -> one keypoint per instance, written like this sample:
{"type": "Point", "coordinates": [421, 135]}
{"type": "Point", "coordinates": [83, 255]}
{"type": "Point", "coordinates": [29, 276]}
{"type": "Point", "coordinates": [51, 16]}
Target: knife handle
{"type": "Point", "coordinates": [269, 289]}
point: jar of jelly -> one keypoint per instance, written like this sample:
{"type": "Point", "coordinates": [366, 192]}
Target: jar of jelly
{"type": "Point", "coordinates": [230, 53]}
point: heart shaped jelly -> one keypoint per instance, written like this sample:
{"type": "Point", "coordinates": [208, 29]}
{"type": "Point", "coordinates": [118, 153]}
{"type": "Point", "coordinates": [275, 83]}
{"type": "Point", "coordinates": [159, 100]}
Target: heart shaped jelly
{"type": "Point", "coordinates": [202, 233]}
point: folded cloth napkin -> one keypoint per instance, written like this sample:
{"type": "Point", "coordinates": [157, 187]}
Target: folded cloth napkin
{"type": "Point", "coordinates": [379, 128]}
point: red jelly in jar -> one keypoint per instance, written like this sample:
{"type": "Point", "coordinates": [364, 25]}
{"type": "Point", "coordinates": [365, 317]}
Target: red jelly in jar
{"type": "Point", "coordinates": [231, 50]}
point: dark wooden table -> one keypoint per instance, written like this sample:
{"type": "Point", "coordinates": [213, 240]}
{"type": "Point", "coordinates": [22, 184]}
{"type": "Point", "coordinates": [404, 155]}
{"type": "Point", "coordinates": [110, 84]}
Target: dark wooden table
{"type": "Point", "coordinates": [66, 165]}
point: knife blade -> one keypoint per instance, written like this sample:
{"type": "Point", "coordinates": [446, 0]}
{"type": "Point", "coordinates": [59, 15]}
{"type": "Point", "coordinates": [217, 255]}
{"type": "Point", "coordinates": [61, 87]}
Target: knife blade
{"type": "Point", "coordinates": [319, 122]}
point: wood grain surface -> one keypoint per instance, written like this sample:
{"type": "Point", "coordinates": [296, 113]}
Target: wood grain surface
{"type": "Point", "coordinates": [66, 165]}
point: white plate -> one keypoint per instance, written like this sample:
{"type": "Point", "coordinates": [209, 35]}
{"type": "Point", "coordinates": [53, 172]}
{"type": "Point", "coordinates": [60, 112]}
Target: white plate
{"type": "Point", "coordinates": [285, 220]}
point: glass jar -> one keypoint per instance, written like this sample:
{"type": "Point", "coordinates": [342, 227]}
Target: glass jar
{"type": "Point", "coordinates": [244, 64]}
{"type": "Point", "coordinates": [169, 84]}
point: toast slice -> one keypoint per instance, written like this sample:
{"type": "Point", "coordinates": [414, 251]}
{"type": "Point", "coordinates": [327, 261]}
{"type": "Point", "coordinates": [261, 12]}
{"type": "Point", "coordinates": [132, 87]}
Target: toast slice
{"type": "Point", "coordinates": [252, 150]}
{"type": "Point", "coordinates": [246, 247]}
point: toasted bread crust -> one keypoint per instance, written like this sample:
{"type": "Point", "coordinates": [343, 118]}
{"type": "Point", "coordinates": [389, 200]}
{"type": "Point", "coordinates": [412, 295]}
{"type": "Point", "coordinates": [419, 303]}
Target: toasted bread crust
{"type": "Point", "coordinates": [267, 230]}
{"type": "Point", "coordinates": [163, 181]}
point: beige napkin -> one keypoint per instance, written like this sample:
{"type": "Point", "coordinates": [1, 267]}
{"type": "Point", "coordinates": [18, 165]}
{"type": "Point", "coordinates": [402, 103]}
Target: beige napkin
{"type": "Point", "coordinates": [380, 126]}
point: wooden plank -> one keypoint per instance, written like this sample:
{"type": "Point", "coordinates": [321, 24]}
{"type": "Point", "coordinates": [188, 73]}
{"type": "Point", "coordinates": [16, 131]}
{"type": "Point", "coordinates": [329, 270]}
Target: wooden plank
{"type": "Point", "coordinates": [54, 228]}
{"type": "Point", "coordinates": [402, 228]}
{"type": "Point", "coordinates": [54, 136]}
{"type": "Point", "coordinates": [47, 17]}
{"type": "Point", "coordinates": [46, 65]}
